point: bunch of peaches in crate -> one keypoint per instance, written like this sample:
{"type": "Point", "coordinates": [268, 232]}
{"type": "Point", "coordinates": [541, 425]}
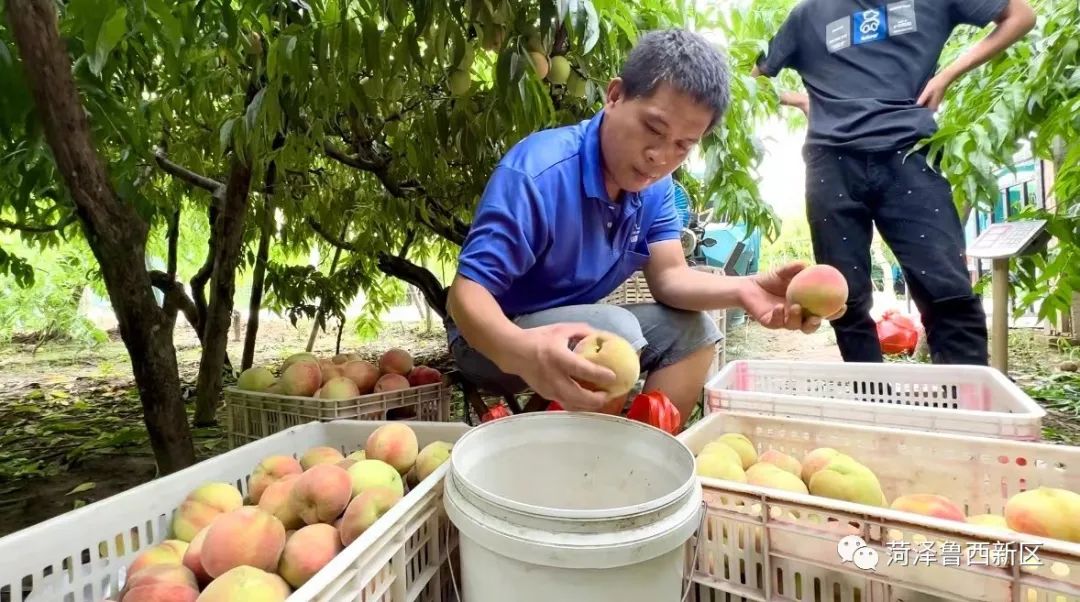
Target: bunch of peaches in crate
{"type": "Point", "coordinates": [343, 376]}
{"type": "Point", "coordinates": [1049, 512]}
{"type": "Point", "coordinates": [298, 515]}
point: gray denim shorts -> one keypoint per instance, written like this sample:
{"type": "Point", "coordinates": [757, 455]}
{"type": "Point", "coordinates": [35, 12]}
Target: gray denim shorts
{"type": "Point", "coordinates": [662, 334]}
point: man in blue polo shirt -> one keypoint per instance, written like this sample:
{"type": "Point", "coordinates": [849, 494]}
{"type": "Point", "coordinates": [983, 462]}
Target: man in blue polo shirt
{"type": "Point", "coordinates": [870, 70]}
{"type": "Point", "coordinates": [570, 213]}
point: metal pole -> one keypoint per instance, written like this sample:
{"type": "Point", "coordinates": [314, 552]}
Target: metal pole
{"type": "Point", "coordinates": [999, 332]}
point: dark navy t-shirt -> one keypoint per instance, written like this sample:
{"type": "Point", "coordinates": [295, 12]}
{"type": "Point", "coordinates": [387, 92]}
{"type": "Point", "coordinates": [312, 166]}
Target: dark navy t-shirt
{"type": "Point", "coordinates": [864, 64]}
{"type": "Point", "coordinates": [545, 233]}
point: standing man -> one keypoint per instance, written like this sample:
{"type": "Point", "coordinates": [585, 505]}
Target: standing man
{"type": "Point", "coordinates": [869, 69]}
{"type": "Point", "coordinates": [571, 212]}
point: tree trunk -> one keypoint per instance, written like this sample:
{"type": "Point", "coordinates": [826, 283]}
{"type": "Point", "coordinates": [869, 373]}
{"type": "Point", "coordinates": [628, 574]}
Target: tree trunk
{"type": "Point", "coordinates": [257, 280]}
{"type": "Point", "coordinates": [199, 280]}
{"type": "Point", "coordinates": [228, 231]}
{"type": "Point", "coordinates": [115, 232]}
{"type": "Point", "coordinates": [319, 313]}
{"type": "Point", "coordinates": [175, 297]}
{"type": "Point", "coordinates": [202, 277]}
{"type": "Point", "coordinates": [340, 331]}
{"type": "Point", "coordinates": [261, 257]}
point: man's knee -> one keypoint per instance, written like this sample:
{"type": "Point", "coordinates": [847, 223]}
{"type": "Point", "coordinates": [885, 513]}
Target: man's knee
{"type": "Point", "coordinates": [600, 316]}
{"type": "Point", "coordinates": [673, 334]}
{"type": "Point", "coordinates": [482, 372]}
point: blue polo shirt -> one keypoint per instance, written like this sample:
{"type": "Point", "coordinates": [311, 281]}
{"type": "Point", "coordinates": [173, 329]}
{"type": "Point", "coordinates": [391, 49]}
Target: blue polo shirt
{"type": "Point", "coordinates": [545, 233]}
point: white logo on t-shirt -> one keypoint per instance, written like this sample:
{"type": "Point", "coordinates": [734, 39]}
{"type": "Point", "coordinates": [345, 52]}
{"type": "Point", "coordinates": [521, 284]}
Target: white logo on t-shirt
{"type": "Point", "coordinates": [871, 22]}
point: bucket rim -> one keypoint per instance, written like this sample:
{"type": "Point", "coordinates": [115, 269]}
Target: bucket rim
{"type": "Point", "coordinates": [595, 514]}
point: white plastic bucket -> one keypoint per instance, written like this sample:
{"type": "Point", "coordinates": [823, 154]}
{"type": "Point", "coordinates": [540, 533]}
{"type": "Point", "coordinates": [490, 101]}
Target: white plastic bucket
{"type": "Point", "coordinates": [572, 506]}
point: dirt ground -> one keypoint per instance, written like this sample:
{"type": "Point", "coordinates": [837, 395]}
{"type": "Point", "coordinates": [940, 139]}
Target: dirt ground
{"type": "Point", "coordinates": [71, 429]}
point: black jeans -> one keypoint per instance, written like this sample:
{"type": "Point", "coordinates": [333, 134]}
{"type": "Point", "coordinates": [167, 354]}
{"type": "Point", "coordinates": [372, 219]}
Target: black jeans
{"type": "Point", "coordinates": [847, 193]}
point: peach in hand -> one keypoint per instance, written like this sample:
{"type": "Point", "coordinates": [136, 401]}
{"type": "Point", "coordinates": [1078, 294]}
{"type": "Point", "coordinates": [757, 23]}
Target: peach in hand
{"type": "Point", "coordinates": [821, 290]}
{"type": "Point", "coordinates": [614, 353]}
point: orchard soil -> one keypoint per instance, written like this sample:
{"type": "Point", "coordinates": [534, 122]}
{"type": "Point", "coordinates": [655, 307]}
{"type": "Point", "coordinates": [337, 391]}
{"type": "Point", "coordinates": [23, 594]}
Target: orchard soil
{"type": "Point", "coordinates": [71, 429]}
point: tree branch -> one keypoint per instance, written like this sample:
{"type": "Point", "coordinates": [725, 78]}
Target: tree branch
{"type": "Point", "coordinates": [422, 278]}
{"type": "Point", "coordinates": [174, 241]}
{"type": "Point", "coordinates": [176, 297]}
{"type": "Point", "coordinates": [459, 228]}
{"type": "Point", "coordinates": [455, 231]}
{"type": "Point", "coordinates": [410, 237]}
{"type": "Point", "coordinates": [345, 159]}
{"type": "Point", "coordinates": [60, 225]}
{"type": "Point", "coordinates": [202, 277]}
{"type": "Point", "coordinates": [398, 267]}
{"type": "Point", "coordinates": [332, 239]}
{"type": "Point", "coordinates": [217, 189]}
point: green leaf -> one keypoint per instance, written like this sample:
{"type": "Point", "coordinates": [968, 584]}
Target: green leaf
{"type": "Point", "coordinates": [225, 134]}
{"type": "Point", "coordinates": [5, 55]}
{"type": "Point", "coordinates": [228, 17]}
{"type": "Point", "coordinates": [81, 488]}
{"type": "Point", "coordinates": [170, 26]}
{"type": "Point", "coordinates": [592, 26]}
{"type": "Point", "coordinates": [290, 46]}
{"type": "Point", "coordinates": [371, 37]}
{"type": "Point", "coordinates": [252, 112]}
{"type": "Point", "coordinates": [112, 31]}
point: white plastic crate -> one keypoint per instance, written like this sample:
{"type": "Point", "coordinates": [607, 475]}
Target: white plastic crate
{"type": "Point", "coordinates": [967, 400]}
{"type": "Point", "coordinates": [767, 544]}
{"type": "Point", "coordinates": [251, 415]}
{"type": "Point", "coordinates": [82, 556]}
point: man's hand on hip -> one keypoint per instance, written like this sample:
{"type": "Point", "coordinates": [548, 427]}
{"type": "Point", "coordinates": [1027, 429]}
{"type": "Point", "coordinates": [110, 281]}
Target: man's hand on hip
{"type": "Point", "coordinates": [543, 358]}
{"type": "Point", "coordinates": [764, 297]}
{"type": "Point", "coordinates": [934, 92]}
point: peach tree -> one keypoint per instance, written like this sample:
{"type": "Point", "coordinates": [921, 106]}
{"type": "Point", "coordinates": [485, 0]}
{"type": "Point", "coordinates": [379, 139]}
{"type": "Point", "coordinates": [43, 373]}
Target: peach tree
{"type": "Point", "coordinates": [189, 142]}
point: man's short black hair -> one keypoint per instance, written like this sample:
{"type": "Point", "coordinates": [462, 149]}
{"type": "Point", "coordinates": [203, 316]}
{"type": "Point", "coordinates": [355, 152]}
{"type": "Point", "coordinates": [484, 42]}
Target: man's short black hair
{"type": "Point", "coordinates": [683, 59]}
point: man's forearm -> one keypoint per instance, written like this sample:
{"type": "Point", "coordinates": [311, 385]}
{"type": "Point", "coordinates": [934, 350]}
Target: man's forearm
{"type": "Point", "coordinates": [799, 100]}
{"type": "Point", "coordinates": [695, 290]}
{"type": "Point", "coordinates": [482, 322]}
{"type": "Point", "coordinates": [793, 99]}
{"type": "Point", "coordinates": [1014, 24]}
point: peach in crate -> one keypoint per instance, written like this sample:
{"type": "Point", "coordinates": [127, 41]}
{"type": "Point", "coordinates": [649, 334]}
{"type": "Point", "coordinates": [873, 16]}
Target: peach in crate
{"type": "Point", "coordinates": [251, 415]}
{"type": "Point", "coordinates": [125, 544]}
{"type": "Point", "coordinates": [935, 525]}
